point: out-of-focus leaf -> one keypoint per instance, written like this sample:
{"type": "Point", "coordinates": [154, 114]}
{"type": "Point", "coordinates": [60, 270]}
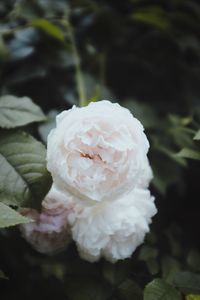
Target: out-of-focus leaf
{"type": "Point", "coordinates": [10, 217]}
{"type": "Point", "coordinates": [27, 36]}
{"type": "Point", "coordinates": [153, 16]}
{"type": "Point", "coordinates": [151, 238]}
{"type": "Point", "coordinates": [129, 290]}
{"type": "Point", "coordinates": [16, 112]}
{"type": "Point", "coordinates": [118, 272]}
{"type": "Point", "coordinates": [174, 243]}
{"type": "Point", "coordinates": [158, 289]}
{"type": "Point", "coordinates": [193, 297]}
{"type": "Point", "coordinates": [179, 121]}
{"type": "Point", "coordinates": [44, 129]}
{"type": "Point", "coordinates": [24, 180]}
{"type": "Point", "coordinates": [149, 254]}
{"type": "Point", "coordinates": [87, 289]}
{"type": "Point", "coordinates": [2, 275]}
{"type": "Point", "coordinates": [165, 171]}
{"type": "Point", "coordinates": [143, 112]}
{"type": "Point", "coordinates": [189, 153]}
{"type": "Point", "coordinates": [19, 50]}
{"type": "Point", "coordinates": [49, 28]}
{"type": "Point", "coordinates": [170, 266]}
{"type": "Point", "coordinates": [23, 74]}
{"type": "Point", "coordinates": [182, 136]}
{"type": "Point", "coordinates": [153, 266]}
{"type": "Point", "coordinates": [94, 91]}
{"type": "Point", "coordinates": [193, 260]}
{"type": "Point", "coordinates": [197, 135]}
{"type": "Point", "coordinates": [53, 269]}
{"type": "Point", "coordinates": [187, 282]}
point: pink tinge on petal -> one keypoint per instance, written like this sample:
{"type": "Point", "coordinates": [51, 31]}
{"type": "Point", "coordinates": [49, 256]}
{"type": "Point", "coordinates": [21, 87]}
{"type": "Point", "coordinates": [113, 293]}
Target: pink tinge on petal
{"type": "Point", "coordinates": [49, 233]}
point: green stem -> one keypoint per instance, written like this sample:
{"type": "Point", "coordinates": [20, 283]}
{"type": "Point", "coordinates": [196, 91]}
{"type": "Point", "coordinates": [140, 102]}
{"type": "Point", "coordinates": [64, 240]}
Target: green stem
{"type": "Point", "coordinates": [79, 75]}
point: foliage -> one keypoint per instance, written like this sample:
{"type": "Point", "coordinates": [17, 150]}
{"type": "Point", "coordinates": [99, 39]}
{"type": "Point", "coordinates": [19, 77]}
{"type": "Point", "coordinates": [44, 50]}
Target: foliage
{"type": "Point", "coordinates": [9, 217]}
{"type": "Point", "coordinates": [144, 54]}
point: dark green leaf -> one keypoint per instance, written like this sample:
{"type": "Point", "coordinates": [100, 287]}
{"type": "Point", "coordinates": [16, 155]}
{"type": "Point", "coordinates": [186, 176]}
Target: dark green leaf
{"type": "Point", "coordinates": [187, 282]}
{"type": "Point", "coordinates": [118, 272]}
{"type": "Point", "coordinates": [197, 135]}
{"type": "Point", "coordinates": [189, 153]}
{"type": "Point", "coordinates": [2, 275]}
{"type": "Point", "coordinates": [153, 16]}
{"type": "Point", "coordinates": [170, 266]}
{"type": "Point", "coordinates": [129, 290]}
{"type": "Point", "coordinates": [143, 112]}
{"type": "Point", "coordinates": [15, 112]}
{"type": "Point", "coordinates": [160, 290]}
{"type": "Point", "coordinates": [175, 246]}
{"type": "Point", "coordinates": [149, 254]}
{"type": "Point", "coordinates": [10, 217]}
{"type": "Point", "coordinates": [24, 180]}
{"type": "Point", "coordinates": [193, 260]}
{"type": "Point", "coordinates": [86, 289]}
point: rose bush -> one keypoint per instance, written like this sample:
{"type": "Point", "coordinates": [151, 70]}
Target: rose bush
{"type": "Point", "coordinates": [97, 156]}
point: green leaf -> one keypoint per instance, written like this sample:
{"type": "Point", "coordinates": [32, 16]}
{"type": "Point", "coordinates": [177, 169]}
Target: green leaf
{"type": "Point", "coordinates": [165, 171]}
{"type": "Point", "coordinates": [149, 255]}
{"type": "Point", "coordinates": [197, 135]}
{"type": "Point", "coordinates": [15, 112]}
{"type": "Point", "coordinates": [145, 113]}
{"type": "Point", "coordinates": [153, 266]}
{"type": "Point", "coordinates": [193, 297]}
{"type": "Point", "coordinates": [189, 153]}
{"type": "Point", "coordinates": [118, 272]}
{"type": "Point", "coordinates": [2, 275]}
{"type": "Point", "coordinates": [129, 290]}
{"type": "Point", "coordinates": [160, 290]}
{"type": "Point", "coordinates": [148, 252]}
{"type": "Point", "coordinates": [170, 266]}
{"type": "Point", "coordinates": [49, 28]}
{"type": "Point", "coordinates": [187, 282]}
{"type": "Point", "coordinates": [193, 260]}
{"type": "Point", "coordinates": [175, 246]}
{"type": "Point", "coordinates": [87, 288]}
{"type": "Point", "coordinates": [24, 180]}
{"type": "Point", "coordinates": [10, 217]}
{"type": "Point", "coordinates": [153, 16]}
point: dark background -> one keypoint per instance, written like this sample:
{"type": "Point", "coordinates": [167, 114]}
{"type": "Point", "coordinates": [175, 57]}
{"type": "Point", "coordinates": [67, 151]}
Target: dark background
{"type": "Point", "coordinates": [146, 56]}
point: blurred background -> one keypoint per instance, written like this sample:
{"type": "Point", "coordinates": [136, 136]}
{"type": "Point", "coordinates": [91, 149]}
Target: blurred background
{"type": "Point", "coordinates": [144, 54]}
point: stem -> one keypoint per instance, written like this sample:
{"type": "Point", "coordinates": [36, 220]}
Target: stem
{"type": "Point", "coordinates": [79, 74]}
{"type": "Point", "coordinates": [103, 68]}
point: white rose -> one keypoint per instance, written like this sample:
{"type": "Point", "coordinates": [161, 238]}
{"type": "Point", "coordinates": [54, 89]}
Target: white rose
{"type": "Point", "coordinates": [50, 232]}
{"type": "Point", "coordinates": [98, 152]}
{"type": "Point", "coordinates": [112, 229]}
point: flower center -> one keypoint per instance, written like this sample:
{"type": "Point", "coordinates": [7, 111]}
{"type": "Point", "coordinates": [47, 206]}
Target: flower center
{"type": "Point", "coordinates": [94, 156]}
